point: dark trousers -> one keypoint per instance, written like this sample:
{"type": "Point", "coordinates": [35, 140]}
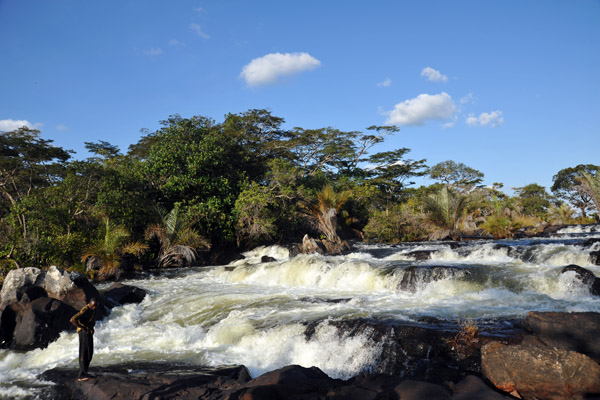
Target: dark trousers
{"type": "Point", "coordinates": [86, 351]}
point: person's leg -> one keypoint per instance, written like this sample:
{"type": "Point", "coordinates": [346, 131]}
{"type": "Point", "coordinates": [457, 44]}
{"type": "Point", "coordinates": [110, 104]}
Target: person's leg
{"type": "Point", "coordinates": [82, 355]}
{"type": "Point", "coordinates": [89, 351]}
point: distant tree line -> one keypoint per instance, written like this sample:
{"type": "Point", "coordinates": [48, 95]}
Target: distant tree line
{"type": "Point", "coordinates": [196, 186]}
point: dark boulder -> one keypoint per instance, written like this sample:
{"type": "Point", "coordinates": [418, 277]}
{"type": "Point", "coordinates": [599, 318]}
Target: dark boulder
{"type": "Point", "coordinates": [40, 322]}
{"type": "Point", "coordinates": [536, 371]}
{"type": "Point", "coordinates": [595, 257]}
{"type": "Point", "coordinates": [473, 388]}
{"type": "Point", "coordinates": [267, 259]}
{"type": "Point", "coordinates": [415, 276]}
{"type": "Point", "coordinates": [146, 381]}
{"type": "Point", "coordinates": [420, 255]}
{"type": "Point", "coordinates": [576, 331]}
{"type": "Point", "coordinates": [585, 277]}
{"type": "Point", "coordinates": [8, 322]}
{"type": "Point", "coordinates": [589, 242]}
{"type": "Point", "coordinates": [121, 294]}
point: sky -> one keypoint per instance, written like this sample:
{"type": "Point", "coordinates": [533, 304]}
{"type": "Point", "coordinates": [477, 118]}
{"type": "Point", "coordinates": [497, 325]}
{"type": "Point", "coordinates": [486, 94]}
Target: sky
{"type": "Point", "coordinates": [510, 88]}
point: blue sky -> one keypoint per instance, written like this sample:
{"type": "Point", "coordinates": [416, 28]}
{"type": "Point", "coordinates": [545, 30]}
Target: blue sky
{"type": "Point", "coordinates": [510, 88]}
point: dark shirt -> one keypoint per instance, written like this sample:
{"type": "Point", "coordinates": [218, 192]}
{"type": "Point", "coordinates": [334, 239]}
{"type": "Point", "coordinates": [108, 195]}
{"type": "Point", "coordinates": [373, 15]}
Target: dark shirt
{"type": "Point", "coordinates": [85, 318]}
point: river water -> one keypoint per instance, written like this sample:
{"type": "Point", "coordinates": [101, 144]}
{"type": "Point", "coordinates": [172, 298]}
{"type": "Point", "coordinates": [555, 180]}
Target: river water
{"type": "Point", "coordinates": [256, 314]}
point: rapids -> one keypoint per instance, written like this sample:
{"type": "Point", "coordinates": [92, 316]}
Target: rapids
{"type": "Point", "coordinates": [256, 314]}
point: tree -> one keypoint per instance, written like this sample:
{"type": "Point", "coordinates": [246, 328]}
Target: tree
{"type": "Point", "coordinates": [177, 238]}
{"type": "Point", "coordinates": [445, 210]}
{"type": "Point", "coordinates": [457, 175]}
{"type": "Point", "coordinates": [591, 185]}
{"type": "Point", "coordinates": [324, 212]}
{"type": "Point", "coordinates": [112, 247]}
{"type": "Point", "coordinates": [566, 186]}
{"type": "Point", "coordinates": [534, 199]}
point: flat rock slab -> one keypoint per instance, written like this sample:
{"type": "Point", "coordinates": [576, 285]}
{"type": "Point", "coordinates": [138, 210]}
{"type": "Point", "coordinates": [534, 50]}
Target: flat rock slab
{"type": "Point", "coordinates": [145, 381]}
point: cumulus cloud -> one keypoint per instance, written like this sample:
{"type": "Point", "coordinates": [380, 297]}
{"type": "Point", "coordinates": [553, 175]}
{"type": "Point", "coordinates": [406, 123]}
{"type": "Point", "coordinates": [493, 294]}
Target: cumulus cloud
{"type": "Point", "coordinates": [8, 125]}
{"type": "Point", "coordinates": [433, 75]}
{"type": "Point", "coordinates": [424, 107]}
{"type": "Point", "coordinates": [492, 119]}
{"type": "Point", "coordinates": [470, 98]}
{"type": "Point", "coordinates": [198, 30]}
{"type": "Point", "coordinates": [269, 68]}
{"type": "Point", "coordinates": [176, 43]}
{"type": "Point", "coordinates": [153, 51]}
{"type": "Point", "coordinates": [62, 128]}
{"type": "Point", "coordinates": [385, 83]}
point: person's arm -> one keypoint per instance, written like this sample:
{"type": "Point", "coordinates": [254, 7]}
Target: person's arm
{"type": "Point", "coordinates": [75, 320]}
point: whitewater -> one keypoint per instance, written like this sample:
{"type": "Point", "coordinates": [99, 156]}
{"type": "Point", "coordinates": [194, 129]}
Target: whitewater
{"type": "Point", "coordinates": [256, 313]}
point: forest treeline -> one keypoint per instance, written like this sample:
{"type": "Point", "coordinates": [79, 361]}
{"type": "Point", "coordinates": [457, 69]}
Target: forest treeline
{"type": "Point", "coordinates": [196, 185]}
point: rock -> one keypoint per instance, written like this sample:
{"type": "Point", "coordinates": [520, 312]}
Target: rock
{"type": "Point", "coordinates": [585, 277]}
{"type": "Point", "coordinates": [8, 322]}
{"type": "Point", "coordinates": [595, 257]}
{"type": "Point", "coordinates": [18, 282]}
{"type": "Point", "coordinates": [266, 259]}
{"type": "Point", "coordinates": [414, 390]}
{"type": "Point", "coordinates": [310, 245]}
{"type": "Point", "coordinates": [124, 294]}
{"type": "Point", "coordinates": [40, 322]}
{"type": "Point", "coordinates": [589, 242]}
{"type": "Point", "coordinates": [145, 381]}
{"type": "Point", "coordinates": [539, 372]}
{"type": "Point", "coordinates": [421, 255]}
{"type": "Point", "coordinates": [415, 276]}
{"type": "Point", "coordinates": [576, 331]}
{"type": "Point", "coordinates": [473, 388]}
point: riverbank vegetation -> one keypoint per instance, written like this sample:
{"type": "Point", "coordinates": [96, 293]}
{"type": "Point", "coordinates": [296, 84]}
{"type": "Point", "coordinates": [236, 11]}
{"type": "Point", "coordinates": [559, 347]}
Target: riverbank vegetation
{"type": "Point", "coordinates": [246, 181]}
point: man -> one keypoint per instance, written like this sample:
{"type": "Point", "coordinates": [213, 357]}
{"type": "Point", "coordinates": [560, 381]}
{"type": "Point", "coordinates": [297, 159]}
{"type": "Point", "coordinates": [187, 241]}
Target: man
{"type": "Point", "coordinates": [85, 321]}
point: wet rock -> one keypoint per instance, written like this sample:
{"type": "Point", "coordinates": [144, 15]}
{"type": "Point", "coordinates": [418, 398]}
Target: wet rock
{"type": "Point", "coordinates": [417, 275]}
{"type": "Point", "coordinates": [576, 331]}
{"type": "Point", "coordinates": [586, 277]}
{"type": "Point", "coordinates": [421, 255]}
{"type": "Point", "coordinates": [536, 371]}
{"type": "Point", "coordinates": [310, 245]}
{"type": "Point", "coordinates": [40, 322]}
{"type": "Point", "coordinates": [595, 257]}
{"type": "Point", "coordinates": [267, 259]}
{"type": "Point", "coordinates": [124, 294]}
{"type": "Point", "coordinates": [145, 381]}
{"type": "Point", "coordinates": [8, 322]}
{"type": "Point", "coordinates": [415, 390]}
{"type": "Point", "coordinates": [473, 388]}
{"type": "Point", "coordinates": [589, 242]}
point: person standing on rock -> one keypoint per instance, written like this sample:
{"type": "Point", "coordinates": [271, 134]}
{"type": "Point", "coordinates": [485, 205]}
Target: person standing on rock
{"type": "Point", "coordinates": [85, 320]}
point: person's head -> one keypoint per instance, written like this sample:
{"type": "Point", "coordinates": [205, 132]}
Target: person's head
{"type": "Point", "coordinates": [92, 303]}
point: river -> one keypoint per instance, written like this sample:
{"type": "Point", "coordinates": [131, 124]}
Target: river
{"type": "Point", "coordinates": [256, 314]}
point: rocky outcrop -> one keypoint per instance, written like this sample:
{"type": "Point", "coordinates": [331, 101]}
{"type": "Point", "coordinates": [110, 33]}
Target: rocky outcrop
{"type": "Point", "coordinates": [584, 277]}
{"type": "Point", "coordinates": [421, 255]}
{"type": "Point", "coordinates": [40, 322]}
{"type": "Point", "coordinates": [120, 294]}
{"type": "Point", "coordinates": [165, 381]}
{"type": "Point", "coordinates": [415, 276]}
{"type": "Point", "coordinates": [577, 331]}
{"type": "Point", "coordinates": [535, 371]}
{"type": "Point", "coordinates": [310, 245]}
{"type": "Point", "coordinates": [267, 259]}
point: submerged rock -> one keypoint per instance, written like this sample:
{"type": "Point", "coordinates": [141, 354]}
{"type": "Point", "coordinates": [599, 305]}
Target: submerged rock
{"type": "Point", "coordinates": [124, 294]}
{"type": "Point", "coordinates": [585, 277]}
{"type": "Point", "coordinates": [421, 255]}
{"type": "Point", "coordinates": [536, 371]}
{"type": "Point", "coordinates": [417, 275]}
{"type": "Point", "coordinates": [576, 331]}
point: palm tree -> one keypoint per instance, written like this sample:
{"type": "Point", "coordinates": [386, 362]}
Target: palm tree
{"type": "Point", "coordinates": [178, 240]}
{"type": "Point", "coordinates": [109, 250]}
{"type": "Point", "coordinates": [445, 210]}
{"type": "Point", "coordinates": [561, 215]}
{"type": "Point", "coordinates": [324, 212]}
{"type": "Point", "coordinates": [591, 185]}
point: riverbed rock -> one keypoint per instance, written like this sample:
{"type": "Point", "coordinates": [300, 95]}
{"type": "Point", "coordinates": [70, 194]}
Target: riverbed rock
{"type": "Point", "coordinates": [536, 371]}
{"type": "Point", "coordinates": [595, 257]}
{"type": "Point", "coordinates": [267, 259]}
{"type": "Point", "coordinates": [121, 294]}
{"type": "Point", "coordinates": [40, 322]}
{"type": "Point", "coordinates": [577, 331]}
{"type": "Point", "coordinates": [421, 255]}
{"type": "Point", "coordinates": [415, 276]}
{"type": "Point", "coordinates": [145, 381]}
{"type": "Point", "coordinates": [584, 277]}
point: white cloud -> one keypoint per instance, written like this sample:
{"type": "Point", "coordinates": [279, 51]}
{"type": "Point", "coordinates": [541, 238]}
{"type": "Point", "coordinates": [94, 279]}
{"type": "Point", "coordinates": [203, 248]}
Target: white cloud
{"type": "Point", "coordinates": [8, 125]}
{"type": "Point", "coordinates": [199, 9]}
{"type": "Point", "coordinates": [433, 75]}
{"type": "Point", "coordinates": [492, 119]}
{"type": "Point", "coordinates": [470, 98]}
{"type": "Point", "coordinates": [385, 83]}
{"type": "Point", "coordinates": [176, 43]}
{"type": "Point", "coordinates": [269, 68]}
{"type": "Point", "coordinates": [62, 128]}
{"type": "Point", "coordinates": [198, 29]}
{"type": "Point", "coordinates": [153, 51]}
{"type": "Point", "coordinates": [422, 108]}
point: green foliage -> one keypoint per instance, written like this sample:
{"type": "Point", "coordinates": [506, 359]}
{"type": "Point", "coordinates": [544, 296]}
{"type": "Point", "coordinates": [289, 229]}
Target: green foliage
{"type": "Point", "coordinates": [457, 175]}
{"type": "Point", "coordinates": [566, 186]}
{"type": "Point", "coordinates": [445, 210]}
{"type": "Point", "coordinates": [400, 223]}
{"type": "Point", "coordinates": [591, 185]}
{"type": "Point", "coordinates": [534, 199]}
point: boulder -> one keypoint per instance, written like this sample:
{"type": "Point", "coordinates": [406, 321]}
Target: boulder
{"type": "Point", "coordinates": [120, 294]}
{"type": "Point", "coordinates": [577, 331]}
{"type": "Point", "coordinates": [584, 277]}
{"type": "Point", "coordinates": [40, 322]}
{"type": "Point", "coordinates": [536, 371]}
{"type": "Point", "coordinates": [595, 257]}
{"type": "Point", "coordinates": [415, 390]}
{"type": "Point", "coordinates": [420, 255]}
{"type": "Point", "coordinates": [267, 259]}
{"type": "Point", "coordinates": [310, 245]}
{"type": "Point", "coordinates": [473, 388]}
{"type": "Point", "coordinates": [415, 276]}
